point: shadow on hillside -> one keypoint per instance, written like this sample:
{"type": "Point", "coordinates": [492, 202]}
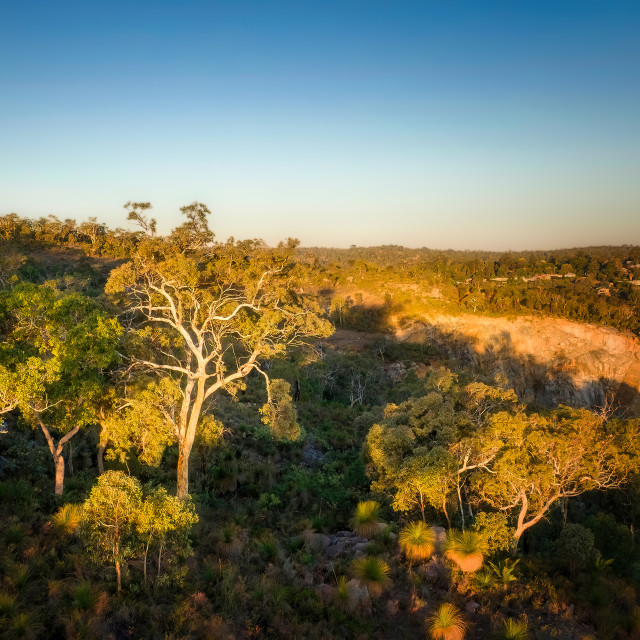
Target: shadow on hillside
{"type": "Point", "coordinates": [541, 382]}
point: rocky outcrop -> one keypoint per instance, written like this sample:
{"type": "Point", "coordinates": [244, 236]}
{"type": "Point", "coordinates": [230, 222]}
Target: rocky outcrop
{"type": "Point", "coordinates": [549, 360]}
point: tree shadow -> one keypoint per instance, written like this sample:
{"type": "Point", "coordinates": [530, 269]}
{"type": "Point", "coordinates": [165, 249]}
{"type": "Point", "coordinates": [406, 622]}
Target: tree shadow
{"type": "Point", "coordinates": [563, 378]}
{"type": "Point", "coordinates": [543, 382]}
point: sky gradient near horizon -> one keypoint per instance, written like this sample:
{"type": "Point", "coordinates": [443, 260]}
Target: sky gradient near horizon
{"type": "Point", "coordinates": [447, 124]}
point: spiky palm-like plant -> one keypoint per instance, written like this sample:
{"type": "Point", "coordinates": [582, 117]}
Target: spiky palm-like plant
{"type": "Point", "coordinates": [16, 534]}
{"type": "Point", "coordinates": [84, 597]}
{"type": "Point", "coordinates": [372, 573]}
{"type": "Point", "coordinates": [66, 519]}
{"type": "Point", "coordinates": [23, 625]}
{"type": "Point", "coordinates": [268, 548]}
{"type": "Point", "coordinates": [7, 604]}
{"type": "Point", "coordinates": [505, 570]}
{"type": "Point", "coordinates": [417, 540]}
{"type": "Point", "coordinates": [484, 580]}
{"type": "Point", "coordinates": [465, 549]}
{"type": "Point", "coordinates": [230, 544]}
{"type": "Point", "coordinates": [366, 519]}
{"type": "Point", "coordinates": [343, 595]}
{"type": "Point", "coordinates": [514, 630]}
{"type": "Point", "coordinates": [447, 623]}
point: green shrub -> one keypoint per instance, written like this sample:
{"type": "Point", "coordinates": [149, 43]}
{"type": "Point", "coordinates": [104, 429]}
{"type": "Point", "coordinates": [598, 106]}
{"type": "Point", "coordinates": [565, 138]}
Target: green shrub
{"type": "Point", "coordinates": [575, 548]}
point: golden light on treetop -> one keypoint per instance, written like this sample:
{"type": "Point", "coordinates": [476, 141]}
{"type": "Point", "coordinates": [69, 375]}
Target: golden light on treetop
{"type": "Point", "coordinates": [208, 314]}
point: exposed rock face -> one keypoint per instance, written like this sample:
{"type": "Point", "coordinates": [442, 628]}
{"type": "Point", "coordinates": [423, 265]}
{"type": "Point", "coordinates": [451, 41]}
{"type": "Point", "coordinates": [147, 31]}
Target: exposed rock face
{"type": "Point", "coordinates": [549, 360]}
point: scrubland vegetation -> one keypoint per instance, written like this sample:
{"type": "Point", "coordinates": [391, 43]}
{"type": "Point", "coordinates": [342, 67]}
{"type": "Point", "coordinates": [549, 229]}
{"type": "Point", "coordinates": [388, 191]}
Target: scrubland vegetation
{"type": "Point", "coordinates": [185, 455]}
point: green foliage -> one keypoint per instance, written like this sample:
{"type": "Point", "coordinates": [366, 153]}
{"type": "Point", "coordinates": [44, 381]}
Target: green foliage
{"type": "Point", "coordinates": [7, 604]}
{"type": "Point", "coordinates": [230, 544]}
{"type": "Point", "coordinates": [613, 540]}
{"type": "Point", "coordinates": [84, 597]}
{"type": "Point", "coordinates": [575, 547]}
{"type": "Point", "coordinates": [495, 531]}
{"type": "Point", "coordinates": [109, 519]}
{"type": "Point", "coordinates": [56, 351]}
{"type": "Point", "coordinates": [280, 412]}
{"type": "Point", "coordinates": [143, 425]}
{"type": "Point", "coordinates": [504, 570]}
{"type": "Point", "coordinates": [23, 625]}
{"type": "Point", "coordinates": [484, 580]}
{"type": "Point", "coordinates": [164, 522]}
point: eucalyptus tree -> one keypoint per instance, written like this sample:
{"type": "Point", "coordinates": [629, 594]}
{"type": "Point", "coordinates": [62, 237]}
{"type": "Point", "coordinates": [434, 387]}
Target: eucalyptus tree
{"type": "Point", "coordinates": [205, 315]}
{"type": "Point", "coordinates": [510, 461]}
{"type": "Point", "coordinates": [558, 455]}
{"type": "Point", "coordinates": [54, 357]}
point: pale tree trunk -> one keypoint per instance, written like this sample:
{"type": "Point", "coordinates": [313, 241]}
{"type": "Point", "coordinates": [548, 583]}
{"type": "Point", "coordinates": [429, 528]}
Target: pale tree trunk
{"type": "Point", "coordinates": [185, 442]}
{"type": "Point", "coordinates": [522, 526]}
{"type": "Point", "coordinates": [56, 452]}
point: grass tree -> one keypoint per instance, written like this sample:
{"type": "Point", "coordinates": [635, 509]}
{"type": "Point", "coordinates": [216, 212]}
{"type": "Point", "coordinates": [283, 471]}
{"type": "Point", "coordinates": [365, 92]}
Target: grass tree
{"type": "Point", "coordinates": [66, 519]}
{"type": "Point", "coordinates": [418, 541]}
{"type": "Point", "coordinates": [446, 623]}
{"type": "Point", "coordinates": [343, 595]}
{"type": "Point", "coordinates": [514, 630]}
{"type": "Point", "coordinates": [366, 519]}
{"type": "Point", "coordinates": [464, 548]}
{"type": "Point", "coordinates": [230, 544]}
{"type": "Point", "coordinates": [372, 573]}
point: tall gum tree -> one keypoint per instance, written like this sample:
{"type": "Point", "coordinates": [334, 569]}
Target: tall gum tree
{"type": "Point", "coordinates": [559, 455]}
{"type": "Point", "coordinates": [207, 314]}
{"type": "Point", "coordinates": [54, 357]}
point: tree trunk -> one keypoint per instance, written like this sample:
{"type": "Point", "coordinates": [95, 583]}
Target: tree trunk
{"type": "Point", "coordinates": [460, 503]}
{"type": "Point", "coordinates": [159, 558]}
{"type": "Point", "coordinates": [188, 436]}
{"type": "Point", "coordinates": [564, 509]}
{"type": "Point", "coordinates": [56, 452]}
{"type": "Point", "coordinates": [446, 513]}
{"type": "Point", "coordinates": [70, 460]}
{"type": "Point", "coordinates": [146, 552]}
{"type": "Point", "coordinates": [102, 446]}
{"type": "Point", "coordinates": [184, 451]}
{"type": "Point", "coordinates": [59, 463]}
{"type": "Point", "coordinates": [119, 574]}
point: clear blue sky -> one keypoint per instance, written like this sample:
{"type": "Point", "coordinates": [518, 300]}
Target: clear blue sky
{"type": "Point", "coordinates": [477, 124]}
